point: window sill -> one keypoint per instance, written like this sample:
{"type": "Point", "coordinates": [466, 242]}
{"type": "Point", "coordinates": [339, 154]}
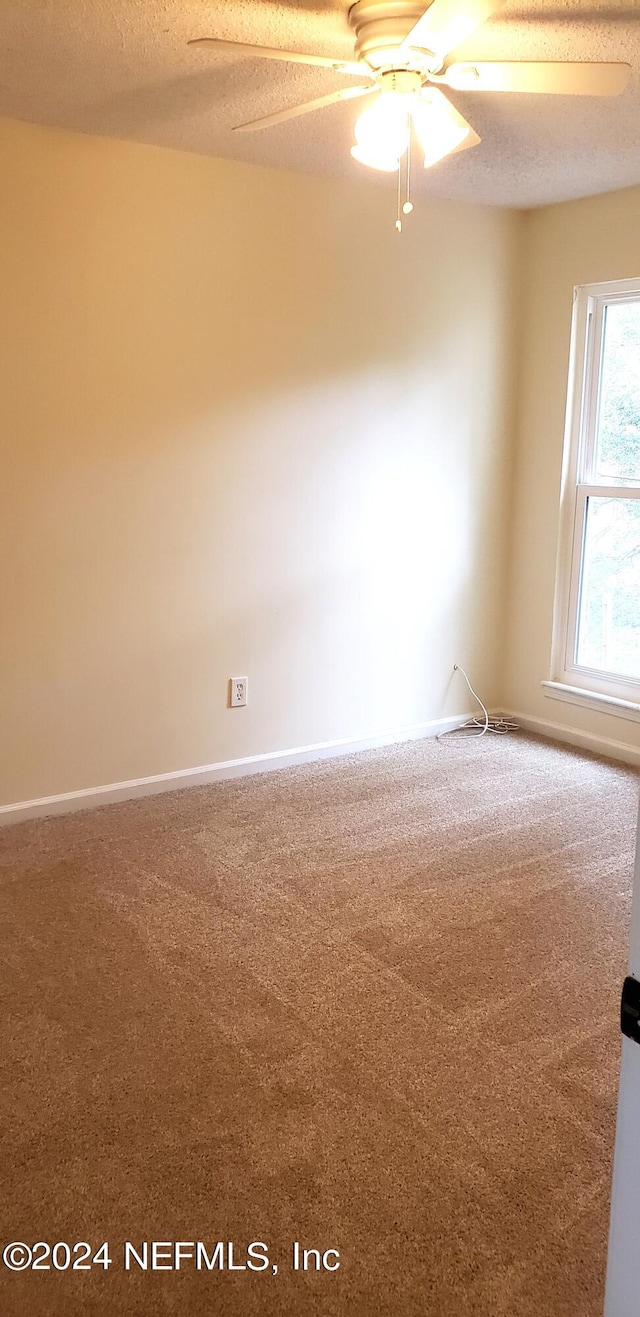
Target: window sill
{"type": "Point", "coordinates": [557, 690]}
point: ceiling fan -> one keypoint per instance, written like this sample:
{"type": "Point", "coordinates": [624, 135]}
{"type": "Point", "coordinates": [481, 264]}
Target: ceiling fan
{"type": "Point", "coordinates": [401, 49]}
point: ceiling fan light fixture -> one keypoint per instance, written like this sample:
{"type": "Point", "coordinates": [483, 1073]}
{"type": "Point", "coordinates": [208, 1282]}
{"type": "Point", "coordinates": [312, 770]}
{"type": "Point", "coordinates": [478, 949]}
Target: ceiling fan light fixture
{"type": "Point", "coordinates": [376, 160]}
{"type": "Point", "coordinates": [382, 130]}
{"type": "Point", "coordinates": [438, 129]}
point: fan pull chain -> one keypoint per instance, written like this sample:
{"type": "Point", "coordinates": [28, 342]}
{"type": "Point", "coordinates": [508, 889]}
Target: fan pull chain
{"type": "Point", "coordinates": [408, 204]}
{"type": "Point", "coordinates": [408, 207]}
{"type": "Point", "coordinates": [405, 207]}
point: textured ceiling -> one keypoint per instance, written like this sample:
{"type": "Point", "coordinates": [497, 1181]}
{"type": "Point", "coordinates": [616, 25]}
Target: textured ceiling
{"type": "Point", "coordinates": [122, 68]}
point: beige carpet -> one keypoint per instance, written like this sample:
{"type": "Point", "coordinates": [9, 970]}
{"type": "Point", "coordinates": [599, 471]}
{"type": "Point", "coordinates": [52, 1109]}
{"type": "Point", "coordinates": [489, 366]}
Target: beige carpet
{"type": "Point", "coordinates": [369, 1005]}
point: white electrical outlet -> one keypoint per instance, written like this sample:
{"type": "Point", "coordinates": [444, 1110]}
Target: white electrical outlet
{"type": "Point", "coordinates": [239, 690]}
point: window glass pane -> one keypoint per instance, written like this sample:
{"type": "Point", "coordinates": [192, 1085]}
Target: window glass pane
{"type": "Point", "coordinates": [609, 607]}
{"type": "Point", "coordinates": [618, 437]}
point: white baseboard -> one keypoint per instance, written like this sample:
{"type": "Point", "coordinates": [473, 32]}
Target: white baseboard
{"type": "Point", "coordinates": [91, 797]}
{"type": "Point", "coordinates": [599, 745]}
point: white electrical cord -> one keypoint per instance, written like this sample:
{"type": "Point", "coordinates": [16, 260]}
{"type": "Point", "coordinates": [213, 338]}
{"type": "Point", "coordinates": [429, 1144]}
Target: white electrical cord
{"type": "Point", "coordinates": [475, 726]}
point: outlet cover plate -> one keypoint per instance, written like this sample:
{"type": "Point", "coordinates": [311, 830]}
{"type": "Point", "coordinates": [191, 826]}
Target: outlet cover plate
{"type": "Point", "coordinates": [238, 691]}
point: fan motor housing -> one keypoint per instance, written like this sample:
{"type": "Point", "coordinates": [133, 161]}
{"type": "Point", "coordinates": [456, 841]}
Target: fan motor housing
{"type": "Point", "coordinates": [381, 27]}
{"type": "Point", "coordinates": [402, 81]}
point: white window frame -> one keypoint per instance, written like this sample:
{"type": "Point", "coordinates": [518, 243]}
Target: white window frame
{"type": "Point", "coordinates": [569, 679]}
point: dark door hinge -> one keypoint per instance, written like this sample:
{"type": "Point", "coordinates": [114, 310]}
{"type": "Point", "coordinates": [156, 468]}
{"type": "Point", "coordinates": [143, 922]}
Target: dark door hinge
{"type": "Point", "coordinates": [630, 1009]}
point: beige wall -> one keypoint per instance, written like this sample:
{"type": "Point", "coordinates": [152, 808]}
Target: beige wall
{"type": "Point", "coordinates": [247, 430]}
{"type": "Point", "coordinates": [579, 242]}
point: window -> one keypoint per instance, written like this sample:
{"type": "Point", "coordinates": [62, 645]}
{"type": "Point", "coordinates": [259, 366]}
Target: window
{"type": "Point", "coordinates": [596, 647]}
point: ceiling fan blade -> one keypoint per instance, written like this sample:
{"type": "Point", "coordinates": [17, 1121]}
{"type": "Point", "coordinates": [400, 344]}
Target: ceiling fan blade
{"type": "Point", "coordinates": [289, 56]}
{"type": "Point", "coordinates": [345, 94]}
{"type": "Point", "coordinates": [561, 79]}
{"type": "Point", "coordinates": [447, 23]}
